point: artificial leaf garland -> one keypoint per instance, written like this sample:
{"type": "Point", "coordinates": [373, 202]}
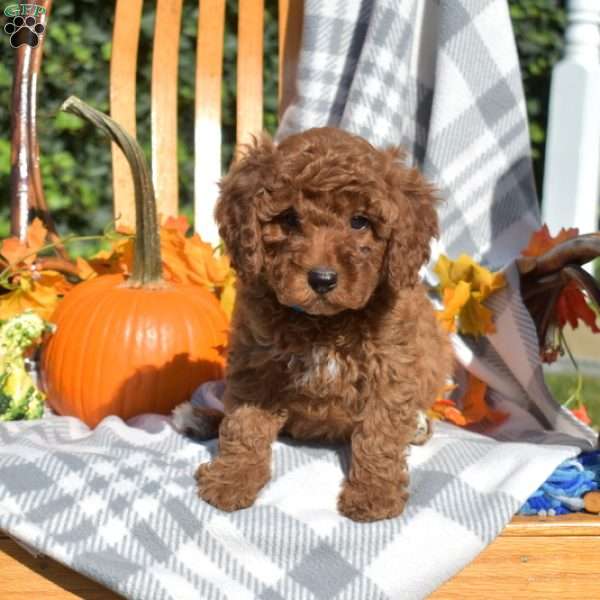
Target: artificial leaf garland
{"type": "Point", "coordinates": [24, 280]}
{"type": "Point", "coordinates": [464, 285]}
{"type": "Point", "coordinates": [542, 240]}
{"type": "Point", "coordinates": [582, 414]}
{"type": "Point", "coordinates": [475, 409]}
{"type": "Point", "coordinates": [445, 409]}
{"type": "Point", "coordinates": [28, 285]}
{"type": "Point", "coordinates": [571, 306]}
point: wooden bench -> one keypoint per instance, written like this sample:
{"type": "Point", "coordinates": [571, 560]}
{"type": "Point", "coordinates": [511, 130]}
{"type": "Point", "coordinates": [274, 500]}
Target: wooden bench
{"type": "Point", "coordinates": [552, 559]}
{"type": "Point", "coordinates": [545, 559]}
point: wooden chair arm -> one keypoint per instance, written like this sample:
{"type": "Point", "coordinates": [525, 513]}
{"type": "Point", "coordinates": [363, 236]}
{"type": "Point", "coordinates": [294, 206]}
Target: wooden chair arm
{"type": "Point", "coordinates": [578, 250]}
{"type": "Point", "coordinates": [26, 190]}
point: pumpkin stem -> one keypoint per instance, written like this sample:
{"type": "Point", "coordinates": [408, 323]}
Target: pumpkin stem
{"type": "Point", "coordinates": [147, 265]}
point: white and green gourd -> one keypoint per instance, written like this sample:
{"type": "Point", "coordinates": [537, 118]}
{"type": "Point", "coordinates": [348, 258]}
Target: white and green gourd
{"type": "Point", "coordinates": [19, 396]}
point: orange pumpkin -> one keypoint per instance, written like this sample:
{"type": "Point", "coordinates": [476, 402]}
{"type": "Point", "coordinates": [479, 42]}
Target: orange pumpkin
{"type": "Point", "coordinates": [129, 346]}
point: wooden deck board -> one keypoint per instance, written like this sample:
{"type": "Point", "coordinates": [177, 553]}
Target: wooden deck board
{"type": "Point", "coordinates": [530, 567]}
{"type": "Point", "coordinates": [546, 559]}
{"type": "Point", "coordinates": [24, 577]}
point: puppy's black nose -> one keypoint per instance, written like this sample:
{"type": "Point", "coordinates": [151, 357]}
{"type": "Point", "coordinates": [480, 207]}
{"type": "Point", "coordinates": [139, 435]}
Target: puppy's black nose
{"type": "Point", "coordinates": [322, 279]}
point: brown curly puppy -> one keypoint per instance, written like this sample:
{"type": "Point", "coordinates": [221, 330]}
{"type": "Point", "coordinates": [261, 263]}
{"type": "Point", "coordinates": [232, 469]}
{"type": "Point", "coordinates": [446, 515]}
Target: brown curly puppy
{"type": "Point", "coordinates": [333, 337]}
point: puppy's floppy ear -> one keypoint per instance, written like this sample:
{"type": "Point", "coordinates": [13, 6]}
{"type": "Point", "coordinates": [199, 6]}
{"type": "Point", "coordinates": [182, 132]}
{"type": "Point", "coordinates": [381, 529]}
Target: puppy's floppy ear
{"type": "Point", "coordinates": [248, 183]}
{"type": "Point", "coordinates": [415, 222]}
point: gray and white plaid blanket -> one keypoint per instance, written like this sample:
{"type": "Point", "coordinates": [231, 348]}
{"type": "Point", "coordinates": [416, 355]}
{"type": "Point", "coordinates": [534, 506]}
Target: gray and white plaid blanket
{"type": "Point", "coordinates": [441, 78]}
{"type": "Point", "coordinates": [118, 503]}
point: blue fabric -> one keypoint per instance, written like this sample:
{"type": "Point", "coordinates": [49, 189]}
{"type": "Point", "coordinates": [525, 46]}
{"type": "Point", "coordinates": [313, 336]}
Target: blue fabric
{"type": "Point", "coordinates": [563, 491]}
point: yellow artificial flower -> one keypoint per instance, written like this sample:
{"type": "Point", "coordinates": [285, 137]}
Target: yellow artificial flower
{"type": "Point", "coordinates": [465, 285]}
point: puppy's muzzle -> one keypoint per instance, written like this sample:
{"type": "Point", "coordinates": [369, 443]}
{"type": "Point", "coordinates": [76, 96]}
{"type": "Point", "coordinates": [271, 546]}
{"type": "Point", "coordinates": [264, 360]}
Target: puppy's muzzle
{"type": "Point", "coordinates": [322, 279]}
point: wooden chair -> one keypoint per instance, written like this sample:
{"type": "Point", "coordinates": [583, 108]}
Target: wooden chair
{"type": "Point", "coordinates": [533, 558]}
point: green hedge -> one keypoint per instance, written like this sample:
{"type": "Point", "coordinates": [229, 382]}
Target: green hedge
{"type": "Point", "coordinates": [76, 168]}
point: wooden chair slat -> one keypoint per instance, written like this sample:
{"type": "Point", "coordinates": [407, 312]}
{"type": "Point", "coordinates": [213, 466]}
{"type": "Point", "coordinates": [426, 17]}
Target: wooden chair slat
{"type": "Point", "coordinates": [249, 114]}
{"type": "Point", "coordinates": [40, 204]}
{"type": "Point", "coordinates": [123, 66]}
{"type": "Point", "coordinates": [165, 60]}
{"type": "Point", "coordinates": [26, 190]}
{"type": "Point", "coordinates": [207, 135]}
{"type": "Point", "coordinates": [291, 16]}
{"type": "Point", "coordinates": [283, 7]}
{"type": "Point", "coordinates": [22, 189]}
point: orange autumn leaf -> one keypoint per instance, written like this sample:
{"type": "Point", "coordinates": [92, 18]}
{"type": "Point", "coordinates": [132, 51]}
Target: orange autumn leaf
{"type": "Point", "coordinates": [571, 307]}
{"type": "Point", "coordinates": [15, 251]}
{"type": "Point", "coordinates": [180, 224]}
{"type": "Point", "coordinates": [28, 287]}
{"type": "Point", "coordinates": [38, 291]}
{"type": "Point", "coordinates": [446, 410]}
{"type": "Point", "coordinates": [475, 407]}
{"type": "Point", "coordinates": [36, 235]}
{"type": "Point", "coordinates": [189, 260]}
{"type": "Point", "coordinates": [176, 266]}
{"type": "Point", "coordinates": [186, 260]}
{"type": "Point", "coordinates": [541, 240]}
{"type": "Point", "coordinates": [208, 268]}
{"type": "Point", "coordinates": [84, 269]}
{"type": "Point", "coordinates": [53, 279]}
{"type": "Point", "coordinates": [582, 414]}
{"type": "Point", "coordinates": [118, 259]}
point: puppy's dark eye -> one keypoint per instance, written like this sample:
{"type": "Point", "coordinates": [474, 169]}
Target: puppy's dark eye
{"type": "Point", "coordinates": [289, 218]}
{"type": "Point", "coordinates": [359, 222]}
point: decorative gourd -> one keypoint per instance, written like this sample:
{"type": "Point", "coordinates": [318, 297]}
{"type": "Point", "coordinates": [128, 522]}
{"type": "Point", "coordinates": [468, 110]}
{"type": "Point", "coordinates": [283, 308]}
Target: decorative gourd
{"type": "Point", "coordinates": [126, 346]}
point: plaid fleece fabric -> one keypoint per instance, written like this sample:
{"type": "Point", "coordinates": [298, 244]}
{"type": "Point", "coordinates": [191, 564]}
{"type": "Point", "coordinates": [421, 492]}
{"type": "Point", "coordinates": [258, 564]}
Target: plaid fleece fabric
{"type": "Point", "coordinates": [441, 79]}
{"type": "Point", "coordinates": [119, 505]}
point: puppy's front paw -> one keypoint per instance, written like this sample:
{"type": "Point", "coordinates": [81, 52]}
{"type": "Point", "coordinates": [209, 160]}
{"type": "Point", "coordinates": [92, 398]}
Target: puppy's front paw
{"type": "Point", "coordinates": [361, 502]}
{"type": "Point", "coordinates": [217, 487]}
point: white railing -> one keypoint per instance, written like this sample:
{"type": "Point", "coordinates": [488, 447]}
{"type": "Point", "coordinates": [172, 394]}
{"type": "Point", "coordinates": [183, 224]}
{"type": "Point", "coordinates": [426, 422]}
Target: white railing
{"type": "Point", "coordinates": [572, 173]}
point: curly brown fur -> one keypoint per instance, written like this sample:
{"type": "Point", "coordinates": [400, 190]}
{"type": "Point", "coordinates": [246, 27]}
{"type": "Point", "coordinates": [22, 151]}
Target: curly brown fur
{"type": "Point", "coordinates": [353, 364]}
